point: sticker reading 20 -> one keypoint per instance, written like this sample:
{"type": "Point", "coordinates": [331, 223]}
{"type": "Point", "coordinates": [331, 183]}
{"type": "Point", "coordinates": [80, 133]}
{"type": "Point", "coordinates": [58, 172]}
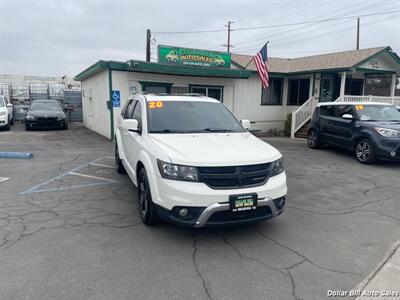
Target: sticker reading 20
{"type": "Point", "coordinates": [156, 104]}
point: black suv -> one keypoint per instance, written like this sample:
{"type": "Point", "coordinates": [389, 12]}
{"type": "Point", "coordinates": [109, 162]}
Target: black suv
{"type": "Point", "coordinates": [371, 130]}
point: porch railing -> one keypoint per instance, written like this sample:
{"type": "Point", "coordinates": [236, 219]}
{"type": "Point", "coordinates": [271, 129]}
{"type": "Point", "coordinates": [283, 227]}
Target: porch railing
{"type": "Point", "coordinates": [382, 99]}
{"type": "Point", "coordinates": [303, 114]}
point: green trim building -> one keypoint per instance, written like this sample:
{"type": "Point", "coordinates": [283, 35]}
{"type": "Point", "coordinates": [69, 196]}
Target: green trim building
{"type": "Point", "coordinates": [327, 77]}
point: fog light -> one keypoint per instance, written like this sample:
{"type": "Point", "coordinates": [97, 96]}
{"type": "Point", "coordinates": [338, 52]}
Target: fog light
{"type": "Point", "coordinates": [393, 153]}
{"type": "Point", "coordinates": [279, 203]}
{"type": "Point", "coordinates": [183, 212]}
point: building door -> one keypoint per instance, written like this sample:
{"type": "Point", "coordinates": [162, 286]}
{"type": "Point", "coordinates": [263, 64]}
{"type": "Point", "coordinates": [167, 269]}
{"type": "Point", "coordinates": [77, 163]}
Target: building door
{"type": "Point", "coordinates": [215, 92]}
{"type": "Point", "coordinates": [356, 87]}
{"type": "Point", "coordinates": [327, 88]}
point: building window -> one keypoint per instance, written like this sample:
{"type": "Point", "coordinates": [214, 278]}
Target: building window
{"type": "Point", "coordinates": [273, 94]}
{"type": "Point", "coordinates": [179, 90]}
{"type": "Point", "coordinates": [156, 87]}
{"type": "Point", "coordinates": [378, 85]}
{"type": "Point", "coordinates": [299, 91]}
{"type": "Point", "coordinates": [215, 92]}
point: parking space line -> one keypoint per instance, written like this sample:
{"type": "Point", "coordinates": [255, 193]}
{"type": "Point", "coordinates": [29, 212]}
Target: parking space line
{"type": "Point", "coordinates": [70, 187]}
{"type": "Point", "coordinates": [36, 188]}
{"type": "Point", "coordinates": [91, 176]}
{"type": "Point", "coordinates": [101, 165]}
{"type": "Point", "coordinates": [2, 179]}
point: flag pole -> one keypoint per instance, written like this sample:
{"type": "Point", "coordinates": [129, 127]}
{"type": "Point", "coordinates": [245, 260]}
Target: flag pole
{"type": "Point", "coordinates": [253, 57]}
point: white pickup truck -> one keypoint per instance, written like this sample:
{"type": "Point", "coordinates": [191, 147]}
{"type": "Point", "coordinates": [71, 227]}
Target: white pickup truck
{"type": "Point", "coordinates": [6, 113]}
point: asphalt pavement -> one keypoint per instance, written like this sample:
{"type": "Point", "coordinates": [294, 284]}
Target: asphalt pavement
{"type": "Point", "coordinates": [70, 229]}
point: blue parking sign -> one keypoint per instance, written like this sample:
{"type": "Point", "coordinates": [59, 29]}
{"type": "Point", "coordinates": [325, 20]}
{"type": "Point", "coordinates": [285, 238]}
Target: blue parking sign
{"type": "Point", "coordinates": [116, 99]}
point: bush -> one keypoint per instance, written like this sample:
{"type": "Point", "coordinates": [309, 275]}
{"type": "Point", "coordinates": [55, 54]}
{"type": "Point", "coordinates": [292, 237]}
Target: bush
{"type": "Point", "coordinates": [288, 125]}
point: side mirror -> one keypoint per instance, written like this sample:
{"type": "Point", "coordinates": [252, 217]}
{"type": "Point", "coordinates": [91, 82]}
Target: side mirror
{"type": "Point", "coordinates": [9, 105]}
{"type": "Point", "coordinates": [245, 124]}
{"type": "Point", "coordinates": [347, 117]}
{"type": "Point", "coordinates": [131, 125]}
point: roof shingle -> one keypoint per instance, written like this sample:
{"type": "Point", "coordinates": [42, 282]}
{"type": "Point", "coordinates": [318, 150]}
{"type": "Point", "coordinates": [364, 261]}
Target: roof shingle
{"type": "Point", "coordinates": [338, 60]}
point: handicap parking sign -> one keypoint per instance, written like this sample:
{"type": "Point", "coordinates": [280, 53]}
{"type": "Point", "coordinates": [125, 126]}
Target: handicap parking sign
{"type": "Point", "coordinates": [116, 99]}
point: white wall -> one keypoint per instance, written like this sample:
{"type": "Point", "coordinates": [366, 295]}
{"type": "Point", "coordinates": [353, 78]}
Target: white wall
{"type": "Point", "coordinates": [95, 94]}
{"type": "Point", "coordinates": [122, 80]}
{"type": "Point", "coordinates": [241, 96]}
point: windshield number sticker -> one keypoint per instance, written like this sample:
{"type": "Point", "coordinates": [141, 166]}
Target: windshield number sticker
{"type": "Point", "coordinates": [359, 107]}
{"type": "Point", "coordinates": [156, 104]}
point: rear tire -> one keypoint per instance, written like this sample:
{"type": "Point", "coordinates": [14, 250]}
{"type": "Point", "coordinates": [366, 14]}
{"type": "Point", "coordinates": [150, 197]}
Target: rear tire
{"type": "Point", "coordinates": [119, 166]}
{"type": "Point", "coordinates": [12, 121]}
{"type": "Point", "coordinates": [147, 210]}
{"type": "Point", "coordinates": [364, 151]}
{"type": "Point", "coordinates": [313, 139]}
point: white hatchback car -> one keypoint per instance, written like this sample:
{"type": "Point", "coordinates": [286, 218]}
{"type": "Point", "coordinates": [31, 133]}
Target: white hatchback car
{"type": "Point", "coordinates": [195, 164]}
{"type": "Point", "coordinates": [6, 113]}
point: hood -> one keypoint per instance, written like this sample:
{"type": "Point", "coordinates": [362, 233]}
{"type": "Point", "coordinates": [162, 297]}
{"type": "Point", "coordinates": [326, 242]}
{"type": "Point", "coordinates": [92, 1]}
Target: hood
{"type": "Point", "coordinates": [215, 149]}
{"type": "Point", "coordinates": [44, 113]}
{"type": "Point", "coordinates": [383, 124]}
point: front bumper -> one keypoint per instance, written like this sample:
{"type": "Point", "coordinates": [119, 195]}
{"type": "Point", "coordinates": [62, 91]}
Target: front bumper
{"type": "Point", "coordinates": [387, 149]}
{"type": "Point", "coordinates": [46, 124]}
{"type": "Point", "coordinates": [3, 120]}
{"type": "Point", "coordinates": [219, 214]}
{"type": "Point", "coordinates": [211, 206]}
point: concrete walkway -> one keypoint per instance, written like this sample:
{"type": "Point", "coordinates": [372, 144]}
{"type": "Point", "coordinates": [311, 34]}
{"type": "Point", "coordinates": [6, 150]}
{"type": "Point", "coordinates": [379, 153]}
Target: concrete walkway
{"type": "Point", "coordinates": [385, 283]}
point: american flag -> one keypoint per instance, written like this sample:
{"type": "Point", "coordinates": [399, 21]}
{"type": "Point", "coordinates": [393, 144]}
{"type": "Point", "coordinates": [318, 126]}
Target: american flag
{"type": "Point", "coordinates": [261, 60]}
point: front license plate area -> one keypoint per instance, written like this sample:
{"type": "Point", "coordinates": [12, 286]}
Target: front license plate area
{"type": "Point", "coordinates": [243, 202]}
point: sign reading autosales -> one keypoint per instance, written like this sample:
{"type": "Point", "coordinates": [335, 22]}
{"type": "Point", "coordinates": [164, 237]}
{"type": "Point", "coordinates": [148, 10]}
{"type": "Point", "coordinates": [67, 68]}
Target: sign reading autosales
{"type": "Point", "coordinates": [194, 57]}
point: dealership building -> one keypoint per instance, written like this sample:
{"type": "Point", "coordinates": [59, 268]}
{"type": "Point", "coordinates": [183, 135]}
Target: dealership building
{"type": "Point", "coordinates": [296, 85]}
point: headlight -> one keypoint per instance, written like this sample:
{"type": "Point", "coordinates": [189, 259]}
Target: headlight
{"type": "Point", "coordinates": [277, 167]}
{"type": "Point", "coordinates": [177, 172]}
{"type": "Point", "coordinates": [61, 117]}
{"type": "Point", "coordinates": [386, 132]}
{"type": "Point", "coordinates": [30, 118]}
{"type": "Point", "coordinates": [2, 113]}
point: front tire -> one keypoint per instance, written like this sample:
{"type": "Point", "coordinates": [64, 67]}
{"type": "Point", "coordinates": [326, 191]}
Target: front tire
{"type": "Point", "coordinates": [118, 162]}
{"type": "Point", "coordinates": [147, 209]}
{"type": "Point", "coordinates": [313, 139]}
{"type": "Point", "coordinates": [364, 151]}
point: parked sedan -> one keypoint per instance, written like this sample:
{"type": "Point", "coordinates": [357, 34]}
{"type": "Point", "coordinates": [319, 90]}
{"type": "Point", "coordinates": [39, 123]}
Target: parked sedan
{"type": "Point", "coordinates": [46, 114]}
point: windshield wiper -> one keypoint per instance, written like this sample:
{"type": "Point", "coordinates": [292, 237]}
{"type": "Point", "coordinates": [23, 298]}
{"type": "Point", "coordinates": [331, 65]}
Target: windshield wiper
{"type": "Point", "coordinates": [213, 130]}
{"type": "Point", "coordinates": [167, 131]}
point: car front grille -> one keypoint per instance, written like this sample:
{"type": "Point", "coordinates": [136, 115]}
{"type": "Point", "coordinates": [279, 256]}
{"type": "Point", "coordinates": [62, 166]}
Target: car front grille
{"type": "Point", "coordinates": [235, 176]}
{"type": "Point", "coordinates": [44, 120]}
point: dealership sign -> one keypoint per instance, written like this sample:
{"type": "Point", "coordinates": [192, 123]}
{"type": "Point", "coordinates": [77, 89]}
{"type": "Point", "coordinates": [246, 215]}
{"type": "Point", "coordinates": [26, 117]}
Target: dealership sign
{"type": "Point", "coordinates": [194, 57]}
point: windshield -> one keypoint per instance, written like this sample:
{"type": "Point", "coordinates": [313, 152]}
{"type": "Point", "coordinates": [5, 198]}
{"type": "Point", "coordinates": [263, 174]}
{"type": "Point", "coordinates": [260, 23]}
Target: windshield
{"type": "Point", "coordinates": [45, 105]}
{"type": "Point", "coordinates": [190, 117]}
{"type": "Point", "coordinates": [2, 104]}
{"type": "Point", "coordinates": [377, 113]}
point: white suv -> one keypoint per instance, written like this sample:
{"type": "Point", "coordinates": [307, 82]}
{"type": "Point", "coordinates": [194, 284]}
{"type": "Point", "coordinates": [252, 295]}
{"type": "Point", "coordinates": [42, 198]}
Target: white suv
{"type": "Point", "coordinates": [195, 164]}
{"type": "Point", "coordinates": [6, 113]}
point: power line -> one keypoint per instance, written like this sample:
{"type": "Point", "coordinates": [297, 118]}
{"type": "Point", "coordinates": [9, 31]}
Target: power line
{"type": "Point", "coordinates": [279, 25]}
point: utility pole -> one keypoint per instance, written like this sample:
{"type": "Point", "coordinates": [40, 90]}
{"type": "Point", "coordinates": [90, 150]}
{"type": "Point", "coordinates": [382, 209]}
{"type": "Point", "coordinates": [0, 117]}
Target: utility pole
{"type": "Point", "coordinates": [358, 33]}
{"type": "Point", "coordinates": [148, 37]}
{"type": "Point", "coordinates": [228, 44]}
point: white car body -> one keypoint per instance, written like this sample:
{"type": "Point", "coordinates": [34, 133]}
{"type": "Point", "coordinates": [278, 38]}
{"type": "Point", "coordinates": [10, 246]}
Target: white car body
{"type": "Point", "coordinates": [222, 149]}
{"type": "Point", "coordinates": [6, 113]}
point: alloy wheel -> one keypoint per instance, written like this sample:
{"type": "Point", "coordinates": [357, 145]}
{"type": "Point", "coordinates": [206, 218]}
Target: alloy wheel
{"type": "Point", "coordinates": [143, 201]}
{"type": "Point", "coordinates": [312, 139]}
{"type": "Point", "coordinates": [363, 151]}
